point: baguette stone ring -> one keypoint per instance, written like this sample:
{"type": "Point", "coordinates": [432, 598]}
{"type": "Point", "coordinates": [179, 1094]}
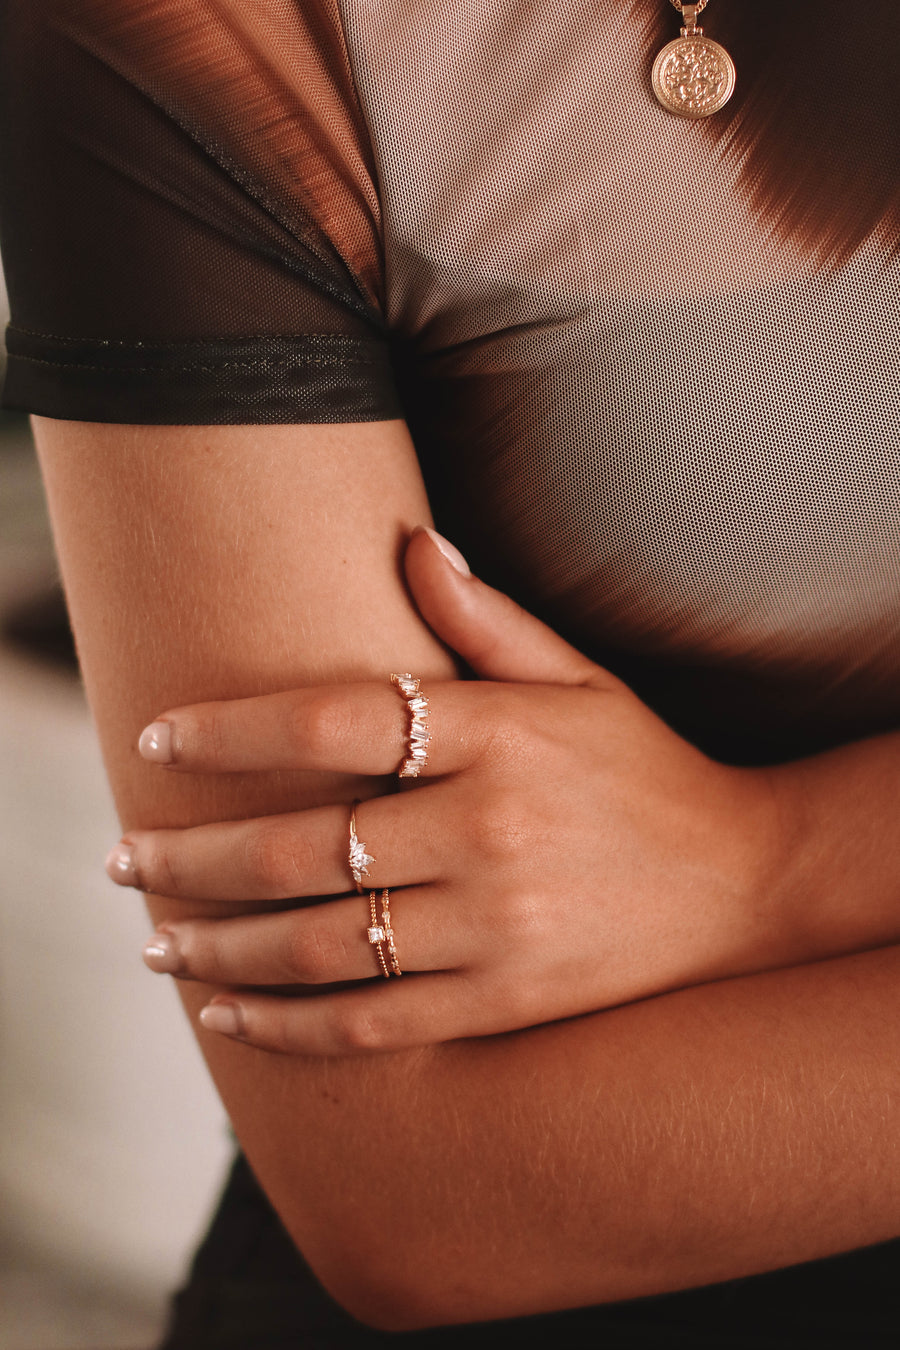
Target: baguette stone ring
{"type": "Point", "coordinates": [417, 737]}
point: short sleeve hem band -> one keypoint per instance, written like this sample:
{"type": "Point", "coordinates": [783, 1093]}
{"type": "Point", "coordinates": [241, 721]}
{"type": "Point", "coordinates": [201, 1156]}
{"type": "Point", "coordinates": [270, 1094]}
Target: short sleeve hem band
{"type": "Point", "coordinates": [323, 378]}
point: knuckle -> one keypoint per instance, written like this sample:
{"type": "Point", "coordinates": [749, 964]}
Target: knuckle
{"type": "Point", "coordinates": [503, 731]}
{"type": "Point", "coordinates": [527, 1001]}
{"type": "Point", "coordinates": [501, 828]}
{"type": "Point", "coordinates": [324, 724]}
{"type": "Point", "coordinates": [277, 860]}
{"type": "Point", "coordinates": [158, 870]}
{"type": "Point", "coordinates": [203, 735]}
{"type": "Point", "coordinates": [522, 919]}
{"type": "Point", "coordinates": [358, 1030]}
{"type": "Point", "coordinates": [198, 952]}
{"type": "Point", "coordinates": [272, 1025]}
{"type": "Point", "coordinates": [315, 955]}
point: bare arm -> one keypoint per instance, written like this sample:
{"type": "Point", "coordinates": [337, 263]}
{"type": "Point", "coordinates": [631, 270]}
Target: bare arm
{"type": "Point", "coordinates": [724, 1130]}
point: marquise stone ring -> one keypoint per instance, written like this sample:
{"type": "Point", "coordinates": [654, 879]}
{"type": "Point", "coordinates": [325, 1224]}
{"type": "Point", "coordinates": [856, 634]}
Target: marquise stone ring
{"type": "Point", "coordinates": [357, 857]}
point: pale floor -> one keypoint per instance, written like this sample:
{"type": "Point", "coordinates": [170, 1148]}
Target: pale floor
{"type": "Point", "coordinates": [112, 1141]}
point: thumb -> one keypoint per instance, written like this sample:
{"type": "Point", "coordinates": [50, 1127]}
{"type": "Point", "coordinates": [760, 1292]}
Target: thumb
{"type": "Point", "coordinates": [493, 635]}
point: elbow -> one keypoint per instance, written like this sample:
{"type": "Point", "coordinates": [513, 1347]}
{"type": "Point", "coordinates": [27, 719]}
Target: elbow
{"type": "Point", "coordinates": [395, 1285]}
{"type": "Point", "coordinates": [391, 1285]}
{"type": "Point", "coordinates": [389, 1309]}
{"type": "Point", "coordinates": [382, 1303]}
{"type": "Point", "coordinates": [390, 1295]}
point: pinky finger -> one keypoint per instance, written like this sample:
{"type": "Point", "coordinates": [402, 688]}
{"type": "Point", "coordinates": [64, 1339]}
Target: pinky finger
{"type": "Point", "coordinates": [373, 1019]}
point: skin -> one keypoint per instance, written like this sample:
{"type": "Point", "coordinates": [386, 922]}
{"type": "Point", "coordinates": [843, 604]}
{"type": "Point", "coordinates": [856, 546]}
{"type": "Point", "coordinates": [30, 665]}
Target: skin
{"type": "Point", "coordinates": [575, 852]}
{"type": "Point", "coordinates": [724, 1129]}
{"type": "Point", "coordinates": [496, 848]}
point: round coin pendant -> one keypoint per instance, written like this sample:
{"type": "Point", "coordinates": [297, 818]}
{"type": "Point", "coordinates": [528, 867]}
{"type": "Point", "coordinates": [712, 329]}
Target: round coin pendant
{"type": "Point", "coordinates": [693, 76]}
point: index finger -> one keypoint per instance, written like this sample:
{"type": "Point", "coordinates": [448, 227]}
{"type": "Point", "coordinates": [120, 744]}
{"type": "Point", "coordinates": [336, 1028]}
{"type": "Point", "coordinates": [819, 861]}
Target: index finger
{"type": "Point", "coordinates": [344, 728]}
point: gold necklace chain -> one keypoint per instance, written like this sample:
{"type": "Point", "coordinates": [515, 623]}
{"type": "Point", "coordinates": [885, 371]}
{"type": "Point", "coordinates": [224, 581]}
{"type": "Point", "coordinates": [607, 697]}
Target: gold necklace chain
{"type": "Point", "coordinates": [693, 76]}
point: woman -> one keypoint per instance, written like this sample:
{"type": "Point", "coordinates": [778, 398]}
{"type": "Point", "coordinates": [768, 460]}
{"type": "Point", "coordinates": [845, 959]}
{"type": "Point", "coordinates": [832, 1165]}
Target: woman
{"type": "Point", "coordinates": [649, 365]}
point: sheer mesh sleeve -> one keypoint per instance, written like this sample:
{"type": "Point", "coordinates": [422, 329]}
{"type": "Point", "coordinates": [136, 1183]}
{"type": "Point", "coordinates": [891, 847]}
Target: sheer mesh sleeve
{"type": "Point", "coordinates": [191, 232]}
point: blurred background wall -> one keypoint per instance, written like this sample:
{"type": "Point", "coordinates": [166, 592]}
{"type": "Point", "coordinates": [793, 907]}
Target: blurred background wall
{"type": "Point", "coordinates": [112, 1141]}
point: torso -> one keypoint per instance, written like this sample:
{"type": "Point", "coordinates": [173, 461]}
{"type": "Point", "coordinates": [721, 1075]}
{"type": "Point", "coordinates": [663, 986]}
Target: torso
{"type": "Point", "coordinates": [667, 425]}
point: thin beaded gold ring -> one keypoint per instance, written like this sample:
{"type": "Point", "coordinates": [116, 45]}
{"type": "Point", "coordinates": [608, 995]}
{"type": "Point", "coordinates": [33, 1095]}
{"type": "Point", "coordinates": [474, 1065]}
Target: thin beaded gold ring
{"type": "Point", "coordinates": [376, 935]}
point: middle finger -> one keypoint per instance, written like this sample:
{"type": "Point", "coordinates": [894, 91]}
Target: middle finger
{"type": "Point", "coordinates": [349, 728]}
{"type": "Point", "coordinates": [284, 857]}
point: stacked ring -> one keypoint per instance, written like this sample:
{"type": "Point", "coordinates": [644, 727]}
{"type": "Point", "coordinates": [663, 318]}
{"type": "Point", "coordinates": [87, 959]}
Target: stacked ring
{"type": "Point", "coordinates": [379, 933]}
{"type": "Point", "coordinates": [417, 738]}
{"type": "Point", "coordinates": [388, 930]}
{"type": "Point", "coordinates": [376, 935]}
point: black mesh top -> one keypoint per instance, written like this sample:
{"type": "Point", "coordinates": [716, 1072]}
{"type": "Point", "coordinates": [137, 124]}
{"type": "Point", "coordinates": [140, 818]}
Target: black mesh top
{"type": "Point", "coordinates": [173, 173]}
{"type": "Point", "coordinates": [652, 366]}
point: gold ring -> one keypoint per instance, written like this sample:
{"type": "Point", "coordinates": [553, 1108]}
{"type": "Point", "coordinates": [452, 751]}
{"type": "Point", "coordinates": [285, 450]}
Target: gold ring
{"type": "Point", "coordinates": [388, 930]}
{"type": "Point", "coordinates": [358, 858]}
{"type": "Point", "coordinates": [417, 736]}
{"type": "Point", "coordinates": [376, 935]}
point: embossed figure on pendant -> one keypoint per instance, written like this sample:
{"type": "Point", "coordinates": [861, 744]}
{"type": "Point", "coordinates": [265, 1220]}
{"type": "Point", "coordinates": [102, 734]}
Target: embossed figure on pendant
{"type": "Point", "coordinates": [695, 78]}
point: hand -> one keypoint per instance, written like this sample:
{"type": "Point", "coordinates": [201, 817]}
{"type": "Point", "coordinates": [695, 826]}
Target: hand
{"type": "Point", "coordinates": [563, 851]}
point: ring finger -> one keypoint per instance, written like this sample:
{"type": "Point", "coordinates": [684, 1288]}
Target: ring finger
{"type": "Point", "coordinates": [323, 944]}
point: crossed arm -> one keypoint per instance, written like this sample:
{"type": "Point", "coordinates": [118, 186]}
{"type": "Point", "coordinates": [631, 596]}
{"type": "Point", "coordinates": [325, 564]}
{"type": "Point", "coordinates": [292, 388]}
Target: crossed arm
{"type": "Point", "coordinates": [725, 1129]}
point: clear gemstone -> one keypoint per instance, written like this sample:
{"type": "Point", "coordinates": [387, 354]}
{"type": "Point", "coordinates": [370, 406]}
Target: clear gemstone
{"type": "Point", "coordinates": [419, 705]}
{"type": "Point", "coordinates": [419, 729]}
{"type": "Point", "coordinates": [410, 769]}
{"type": "Point", "coordinates": [359, 859]}
{"type": "Point", "coordinates": [375, 935]}
{"type": "Point", "coordinates": [406, 684]}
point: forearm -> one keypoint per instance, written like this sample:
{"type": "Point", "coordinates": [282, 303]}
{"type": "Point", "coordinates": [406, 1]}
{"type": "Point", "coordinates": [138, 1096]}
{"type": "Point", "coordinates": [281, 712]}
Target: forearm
{"type": "Point", "coordinates": [685, 1139]}
{"type": "Point", "coordinates": [710, 1134]}
{"type": "Point", "coordinates": [836, 878]}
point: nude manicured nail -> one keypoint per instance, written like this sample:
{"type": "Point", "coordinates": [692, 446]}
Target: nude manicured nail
{"type": "Point", "coordinates": [450, 552]}
{"type": "Point", "coordinates": [120, 865]}
{"type": "Point", "coordinates": [156, 743]}
{"type": "Point", "coordinates": [222, 1017]}
{"type": "Point", "coordinates": [162, 955]}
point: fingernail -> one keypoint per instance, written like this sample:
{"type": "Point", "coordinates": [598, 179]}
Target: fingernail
{"type": "Point", "coordinates": [162, 955]}
{"type": "Point", "coordinates": [222, 1017]}
{"type": "Point", "coordinates": [120, 865]}
{"type": "Point", "coordinates": [450, 552]}
{"type": "Point", "coordinates": [156, 743]}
